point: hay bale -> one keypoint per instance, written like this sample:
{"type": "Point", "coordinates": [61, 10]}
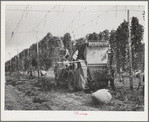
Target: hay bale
{"type": "Point", "coordinates": [101, 96]}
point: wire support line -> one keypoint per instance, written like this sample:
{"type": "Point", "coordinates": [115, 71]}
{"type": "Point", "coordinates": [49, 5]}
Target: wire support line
{"type": "Point", "coordinates": [38, 23]}
{"type": "Point", "coordinates": [94, 19]}
{"type": "Point", "coordinates": [73, 19]}
{"type": "Point", "coordinates": [18, 22]}
{"type": "Point", "coordinates": [21, 41]}
{"type": "Point", "coordinates": [11, 10]}
{"type": "Point", "coordinates": [25, 38]}
{"type": "Point", "coordinates": [136, 10]}
{"type": "Point", "coordinates": [27, 32]}
{"type": "Point", "coordinates": [20, 18]}
{"type": "Point", "coordinates": [42, 19]}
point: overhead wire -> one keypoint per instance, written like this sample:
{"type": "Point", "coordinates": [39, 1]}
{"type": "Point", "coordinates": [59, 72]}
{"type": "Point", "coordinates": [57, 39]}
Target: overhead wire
{"type": "Point", "coordinates": [13, 32]}
{"type": "Point", "coordinates": [63, 9]}
{"type": "Point", "coordinates": [35, 29]}
{"type": "Point", "coordinates": [116, 11]}
{"type": "Point", "coordinates": [98, 16]}
{"type": "Point", "coordinates": [93, 19]}
{"type": "Point", "coordinates": [11, 10]}
{"type": "Point", "coordinates": [45, 20]}
{"type": "Point", "coordinates": [20, 18]}
{"type": "Point", "coordinates": [73, 20]}
{"type": "Point", "coordinates": [22, 40]}
{"type": "Point", "coordinates": [71, 11]}
{"type": "Point", "coordinates": [25, 32]}
{"type": "Point", "coordinates": [70, 23]}
{"type": "Point", "coordinates": [105, 19]}
{"type": "Point", "coordinates": [97, 22]}
{"type": "Point", "coordinates": [41, 20]}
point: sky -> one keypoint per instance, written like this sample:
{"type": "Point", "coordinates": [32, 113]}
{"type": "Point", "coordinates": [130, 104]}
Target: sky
{"type": "Point", "coordinates": [26, 23]}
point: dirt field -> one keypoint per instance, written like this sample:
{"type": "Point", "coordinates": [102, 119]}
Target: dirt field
{"type": "Point", "coordinates": [27, 94]}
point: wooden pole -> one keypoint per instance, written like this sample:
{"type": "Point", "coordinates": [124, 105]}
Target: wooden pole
{"type": "Point", "coordinates": [130, 53]}
{"type": "Point", "coordinates": [37, 55]}
{"type": "Point", "coordinates": [18, 63]}
{"type": "Point", "coordinates": [28, 59]}
{"type": "Point", "coordinates": [58, 54]}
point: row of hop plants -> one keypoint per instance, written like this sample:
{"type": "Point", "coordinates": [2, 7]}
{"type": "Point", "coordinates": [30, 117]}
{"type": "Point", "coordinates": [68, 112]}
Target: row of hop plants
{"type": "Point", "coordinates": [118, 40]}
{"type": "Point", "coordinates": [28, 58]}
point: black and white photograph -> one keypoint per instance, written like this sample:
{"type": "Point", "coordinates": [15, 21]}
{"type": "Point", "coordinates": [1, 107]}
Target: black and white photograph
{"type": "Point", "coordinates": [67, 60]}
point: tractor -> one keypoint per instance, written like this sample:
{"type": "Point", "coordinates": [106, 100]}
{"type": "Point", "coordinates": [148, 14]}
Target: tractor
{"type": "Point", "coordinates": [90, 70]}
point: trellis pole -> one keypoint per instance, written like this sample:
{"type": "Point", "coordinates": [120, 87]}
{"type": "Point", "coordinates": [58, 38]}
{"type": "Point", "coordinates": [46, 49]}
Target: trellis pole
{"type": "Point", "coordinates": [37, 55]}
{"type": "Point", "coordinates": [130, 52]}
{"type": "Point", "coordinates": [18, 63]}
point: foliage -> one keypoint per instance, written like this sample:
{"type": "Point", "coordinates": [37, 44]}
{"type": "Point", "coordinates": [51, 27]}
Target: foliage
{"type": "Point", "coordinates": [136, 38]}
{"type": "Point", "coordinates": [112, 42]}
{"type": "Point", "coordinates": [26, 64]}
{"type": "Point", "coordinates": [121, 43]}
{"type": "Point", "coordinates": [66, 39]}
{"type": "Point", "coordinates": [118, 39]}
{"type": "Point", "coordinates": [105, 35]}
{"type": "Point", "coordinates": [137, 35]}
{"type": "Point", "coordinates": [34, 62]}
{"type": "Point", "coordinates": [28, 57]}
{"type": "Point", "coordinates": [102, 36]}
{"type": "Point", "coordinates": [93, 37]}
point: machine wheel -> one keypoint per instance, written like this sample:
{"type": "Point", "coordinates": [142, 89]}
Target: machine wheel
{"type": "Point", "coordinates": [58, 77]}
{"type": "Point", "coordinates": [62, 78]}
{"type": "Point", "coordinates": [71, 81]}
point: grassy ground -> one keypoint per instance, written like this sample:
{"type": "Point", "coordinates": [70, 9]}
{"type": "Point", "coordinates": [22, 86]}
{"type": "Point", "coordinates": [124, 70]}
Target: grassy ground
{"type": "Point", "coordinates": [27, 94]}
